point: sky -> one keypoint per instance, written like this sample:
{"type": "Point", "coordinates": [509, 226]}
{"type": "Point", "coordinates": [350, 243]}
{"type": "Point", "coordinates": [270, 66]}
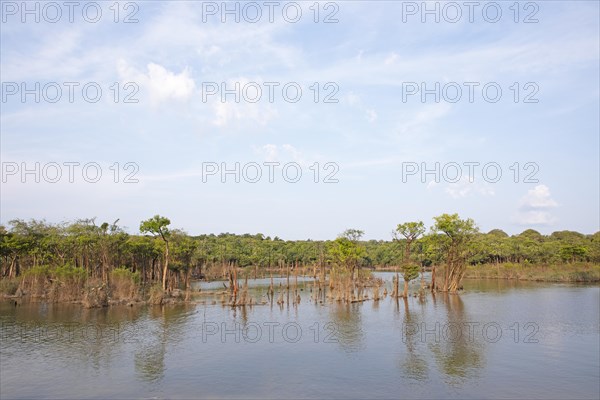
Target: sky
{"type": "Point", "coordinates": [302, 119]}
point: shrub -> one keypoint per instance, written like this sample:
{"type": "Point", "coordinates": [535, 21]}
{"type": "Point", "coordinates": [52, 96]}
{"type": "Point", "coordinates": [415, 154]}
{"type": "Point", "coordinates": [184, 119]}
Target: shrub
{"type": "Point", "coordinates": [156, 295]}
{"type": "Point", "coordinates": [9, 286]}
{"type": "Point", "coordinates": [67, 283]}
{"type": "Point", "coordinates": [35, 279]}
{"type": "Point", "coordinates": [124, 284]}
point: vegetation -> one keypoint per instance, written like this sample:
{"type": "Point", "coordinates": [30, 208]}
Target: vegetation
{"type": "Point", "coordinates": [410, 231]}
{"type": "Point", "coordinates": [574, 272]}
{"type": "Point", "coordinates": [454, 235]}
{"type": "Point", "coordinates": [72, 261]}
{"type": "Point", "coordinates": [157, 226]}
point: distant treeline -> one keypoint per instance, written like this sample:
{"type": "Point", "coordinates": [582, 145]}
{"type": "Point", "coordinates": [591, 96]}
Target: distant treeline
{"type": "Point", "coordinates": [96, 250]}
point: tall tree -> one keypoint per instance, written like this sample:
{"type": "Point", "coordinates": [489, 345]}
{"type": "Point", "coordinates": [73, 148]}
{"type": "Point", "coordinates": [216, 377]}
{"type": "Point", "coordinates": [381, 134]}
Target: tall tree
{"type": "Point", "coordinates": [346, 251]}
{"type": "Point", "coordinates": [158, 226]}
{"type": "Point", "coordinates": [456, 235]}
{"type": "Point", "coordinates": [410, 231]}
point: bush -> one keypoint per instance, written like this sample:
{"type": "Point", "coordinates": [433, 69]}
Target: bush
{"type": "Point", "coordinates": [95, 295]}
{"type": "Point", "coordinates": [35, 279]}
{"type": "Point", "coordinates": [41, 271]}
{"type": "Point", "coordinates": [67, 283]}
{"type": "Point", "coordinates": [69, 274]}
{"type": "Point", "coordinates": [156, 295]}
{"type": "Point", "coordinates": [123, 273]}
{"type": "Point", "coordinates": [124, 284]}
{"type": "Point", "coordinates": [9, 286]}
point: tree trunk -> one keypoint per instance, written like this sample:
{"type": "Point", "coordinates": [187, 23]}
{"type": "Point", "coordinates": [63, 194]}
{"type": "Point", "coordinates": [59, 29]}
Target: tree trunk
{"type": "Point", "coordinates": [13, 267]}
{"type": "Point", "coordinates": [187, 283]}
{"type": "Point", "coordinates": [405, 289]}
{"type": "Point", "coordinates": [166, 266]}
{"type": "Point", "coordinates": [104, 266]}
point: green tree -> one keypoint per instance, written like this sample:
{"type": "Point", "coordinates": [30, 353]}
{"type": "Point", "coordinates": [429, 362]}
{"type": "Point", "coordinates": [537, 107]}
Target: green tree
{"type": "Point", "coordinates": [410, 231]}
{"type": "Point", "coordinates": [456, 235]}
{"type": "Point", "coordinates": [158, 226]}
{"type": "Point", "coordinates": [346, 252]}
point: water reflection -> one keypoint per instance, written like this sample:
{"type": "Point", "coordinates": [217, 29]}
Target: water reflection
{"type": "Point", "coordinates": [349, 328]}
{"type": "Point", "coordinates": [413, 364]}
{"type": "Point", "coordinates": [125, 352]}
{"type": "Point", "coordinates": [458, 354]}
{"type": "Point", "coordinates": [164, 327]}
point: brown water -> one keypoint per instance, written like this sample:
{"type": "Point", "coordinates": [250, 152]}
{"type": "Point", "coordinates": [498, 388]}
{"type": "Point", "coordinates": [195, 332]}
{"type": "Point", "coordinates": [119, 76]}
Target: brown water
{"type": "Point", "coordinates": [496, 340]}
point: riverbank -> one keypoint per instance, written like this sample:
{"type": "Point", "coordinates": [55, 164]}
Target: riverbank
{"type": "Point", "coordinates": [576, 272]}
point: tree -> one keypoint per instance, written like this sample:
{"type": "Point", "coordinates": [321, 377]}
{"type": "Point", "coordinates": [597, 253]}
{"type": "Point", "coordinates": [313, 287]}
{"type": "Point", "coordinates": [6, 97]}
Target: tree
{"type": "Point", "coordinates": [456, 235]}
{"type": "Point", "coordinates": [410, 271]}
{"type": "Point", "coordinates": [183, 250]}
{"type": "Point", "coordinates": [355, 251]}
{"type": "Point", "coordinates": [411, 232]}
{"type": "Point", "coordinates": [353, 235]}
{"type": "Point", "coordinates": [158, 226]}
{"type": "Point", "coordinates": [346, 252]}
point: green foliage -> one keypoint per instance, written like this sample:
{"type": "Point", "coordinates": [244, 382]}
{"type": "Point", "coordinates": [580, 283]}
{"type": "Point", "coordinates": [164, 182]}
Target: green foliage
{"type": "Point", "coordinates": [68, 273]}
{"type": "Point", "coordinates": [455, 228]}
{"type": "Point", "coordinates": [40, 271]}
{"type": "Point", "coordinates": [410, 272]}
{"type": "Point", "coordinates": [125, 274]}
{"type": "Point", "coordinates": [157, 226]}
{"type": "Point", "coordinates": [572, 252]}
{"type": "Point", "coordinates": [411, 230]}
{"type": "Point", "coordinates": [353, 235]}
{"type": "Point", "coordinates": [346, 253]}
{"type": "Point", "coordinates": [83, 249]}
{"type": "Point", "coordinates": [574, 272]}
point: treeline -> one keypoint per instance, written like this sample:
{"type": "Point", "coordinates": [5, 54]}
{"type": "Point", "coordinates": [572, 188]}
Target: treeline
{"type": "Point", "coordinates": [170, 256]}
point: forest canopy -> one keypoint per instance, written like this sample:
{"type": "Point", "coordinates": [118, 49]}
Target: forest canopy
{"type": "Point", "coordinates": [98, 248]}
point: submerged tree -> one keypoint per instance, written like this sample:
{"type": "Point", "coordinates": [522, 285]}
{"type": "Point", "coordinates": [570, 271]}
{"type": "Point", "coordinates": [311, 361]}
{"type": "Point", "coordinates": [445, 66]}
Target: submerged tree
{"type": "Point", "coordinates": [158, 226]}
{"type": "Point", "coordinates": [411, 231]}
{"type": "Point", "coordinates": [346, 252]}
{"type": "Point", "coordinates": [455, 238]}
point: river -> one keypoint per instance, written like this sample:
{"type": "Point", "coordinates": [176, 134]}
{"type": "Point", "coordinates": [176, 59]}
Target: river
{"type": "Point", "coordinates": [497, 339]}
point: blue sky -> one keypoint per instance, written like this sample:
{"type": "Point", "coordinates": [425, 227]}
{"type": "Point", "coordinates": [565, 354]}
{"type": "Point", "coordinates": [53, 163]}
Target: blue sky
{"type": "Point", "coordinates": [370, 55]}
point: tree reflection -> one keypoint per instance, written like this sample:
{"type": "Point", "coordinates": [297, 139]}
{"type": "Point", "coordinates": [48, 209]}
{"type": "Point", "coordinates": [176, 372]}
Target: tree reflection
{"type": "Point", "coordinates": [166, 326]}
{"type": "Point", "coordinates": [458, 354]}
{"type": "Point", "coordinates": [456, 351]}
{"type": "Point", "coordinates": [413, 365]}
{"type": "Point", "coordinates": [347, 320]}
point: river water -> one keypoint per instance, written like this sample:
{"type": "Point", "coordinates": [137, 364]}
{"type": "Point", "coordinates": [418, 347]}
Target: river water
{"type": "Point", "coordinates": [496, 340]}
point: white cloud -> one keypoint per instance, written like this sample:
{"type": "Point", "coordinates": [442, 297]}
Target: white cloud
{"type": "Point", "coordinates": [429, 114]}
{"type": "Point", "coordinates": [282, 153]}
{"type": "Point", "coordinates": [535, 218]}
{"type": "Point", "coordinates": [268, 151]}
{"type": "Point", "coordinates": [371, 115]}
{"type": "Point", "coordinates": [534, 207]}
{"type": "Point", "coordinates": [391, 59]}
{"type": "Point", "coordinates": [538, 198]}
{"type": "Point", "coordinates": [458, 190]}
{"type": "Point", "coordinates": [466, 186]}
{"type": "Point", "coordinates": [232, 111]}
{"type": "Point", "coordinates": [159, 83]}
{"type": "Point", "coordinates": [432, 185]}
{"type": "Point", "coordinates": [229, 113]}
{"type": "Point", "coordinates": [354, 100]}
{"type": "Point", "coordinates": [351, 98]}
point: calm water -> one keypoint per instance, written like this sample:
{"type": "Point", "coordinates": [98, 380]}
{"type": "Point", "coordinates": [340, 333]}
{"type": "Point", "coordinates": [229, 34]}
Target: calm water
{"type": "Point", "coordinates": [496, 340]}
